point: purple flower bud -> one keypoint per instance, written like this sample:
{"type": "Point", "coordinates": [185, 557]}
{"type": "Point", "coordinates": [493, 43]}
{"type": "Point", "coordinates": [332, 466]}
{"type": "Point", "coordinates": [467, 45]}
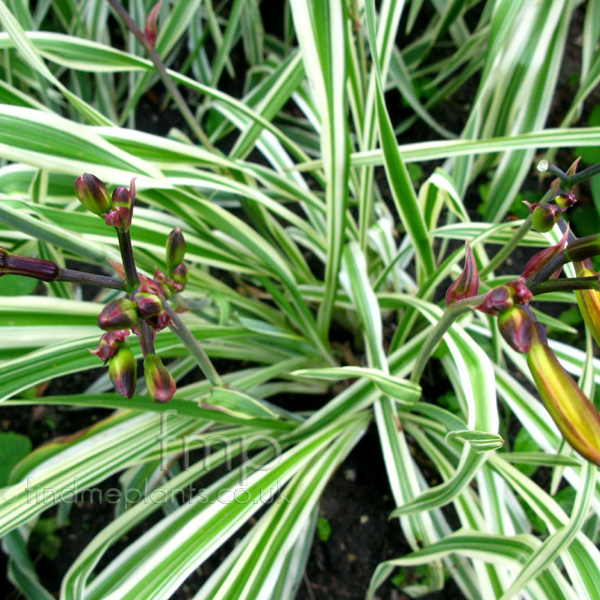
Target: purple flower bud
{"type": "Point", "coordinates": [467, 284]}
{"type": "Point", "coordinates": [159, 322]}
{"type": "Point", "coordinates": [521, 293]}
{"type": "Point", "coordinates": [123, 371]}
{"type": "Point", "coordinates": [175, 249]}
{"type": "Point", "coordinates": [109, 344]}
{"type": "Point", "coordinates": [543, 257]}
{"type": "Point", "coordinates": [516, 327]}
{"type": "Point", "coordinates": [114, 218]}
{"type": "Point", "coordinates": [179, 278]}
{"type": "Point", "coordinates": [118, 314]}
{"type": "Point", "coordinates": [151, 24]}
{"type": "Point", "coordinates": [93, 194]}
{"type": "Point", "coordinates": [545, 216]}
{"type": "Point", "coordinates": [38, 268]}
{"type": "Point", "coordinates": [148, 304]}
{"type": "Point", "coordinates": [122, 207]}
{"type": "Point", "coordinates": [160, 383]}
{"type": "Point", "coordinates": [497, 300]}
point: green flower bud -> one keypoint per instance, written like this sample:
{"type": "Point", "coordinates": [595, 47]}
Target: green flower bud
{"type": "Point", "coordinates": [545, 216]}
{"type": "Point", "coordinates": [118, 314]}
{"type": "Point", "coordinates": [160, 383]}
{"type": "Point", "coordinates": [93, 194]}
{"type": "Point", "coordinates": [123, 371]}
{"type": "Point", "coordinates": [148, 305]}
{"type": "Point", "coordinates": [180, 277]}
{"type": "Point", "coordinates": [175, 249]}
{"type": "Point", "coordinates": [565, 200]}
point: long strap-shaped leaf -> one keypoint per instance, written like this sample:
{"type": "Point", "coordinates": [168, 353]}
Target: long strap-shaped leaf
{"type": "Point", "coordinates": [401, 186]}
{"type": "Point", "coordinates": [29, 53]}
{"type": "Point", "coordinates": [157, 563]}
{"type": "Point", "coordinates": [253, 575]}
{"type": "Point", "coordinates": [402, 472]}
{"type": "Point", "coordinates": [581, 557]}
{"type": "Point", "coordinates": [321, 33]}
{"type": "Point", "coordinates": [490, 548]}
{"type": "Point", "coordinates": [473, 379]}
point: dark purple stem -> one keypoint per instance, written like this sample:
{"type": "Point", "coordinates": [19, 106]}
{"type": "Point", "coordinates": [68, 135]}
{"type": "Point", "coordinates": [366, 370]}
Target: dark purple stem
{"type": "Point", "coordinates": [90, 279]}
{"type": "Point", "coordinates": [146, 338]}
{"type": "Point", "coordinates": [131, 275]}
{"type": "Point", "coordinates": [163, 73]}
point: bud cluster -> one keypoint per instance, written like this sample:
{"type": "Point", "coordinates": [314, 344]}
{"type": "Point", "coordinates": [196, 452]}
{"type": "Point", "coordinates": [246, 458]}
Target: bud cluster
{"type": "Point", "coordinates": [142, 311]}
{"type": "Point", "coordinates": [116, 210]}
{"type": "Point", "coordinates": [119, 317]}
{"type": "Point", "coordinates": [575, 416]}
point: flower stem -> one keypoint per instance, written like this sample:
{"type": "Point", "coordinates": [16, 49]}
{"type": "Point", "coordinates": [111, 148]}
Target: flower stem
{"type": "Point", "coordinates": [146, 338]}
{"type": "Point", "coordinates": [443, 325]}
{"type": "Point", "coordinates": [191, 343]}
{"type": "Point", "coordinates": [578, 250]}
{"type": "Point", "coordinates": [566, 285]}
{"type": "Point", "coordinates": [516, 239]}
{"type": "Point", "coordinates": [569, 181]}
{"type": "Point", "coordinates": [90, 279]}
{"type": "Point", "coordinates": [164, 74]}
{"type": "Point", "coordinates": [131, 276]}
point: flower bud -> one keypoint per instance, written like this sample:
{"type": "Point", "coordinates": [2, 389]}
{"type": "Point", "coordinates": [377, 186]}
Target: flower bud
{"type": "Point", "coordinates": [589, 302]}
{"type": "Point", "coordinates": [122, 207]}
{"type": "Point", "coordinates": [516, 327]}
{"type": "Point", "coordinates": [159, 322]}
{"type": "Point", "coordinates": [148, 304]}
{"type": "Point", "coordinates": [38, 268]}
{"type": "Point", "coordinates": [93, 194]}
{"type": "Point", "coordinates": [180, 277]}
{"type": "Point", "coordinates": [521, 293]}
{"type": "Point", "coordinates": [575, 416]}
{"type": "Point", "coordinates": [545, 216]}
{"type": "Point", "coordinates": [497, 300]}
{"type": "Point", "coordinates": [118, 314]}
{"type": "Point", "coordinates": [565, 200]}
{"type": "Point", "coordinates": [160, 383]}
{"type": "Point", "coordinates": [545, 256]}
{"type": "Point", "coordinates": [175, 249]}
{"type": "Point", "coordinates": [123, 371]}
{"type": "Point", "coordinates": [151, 32]}
{"type": "Point", "coordinates": [467, 284]}
{"type": "Point", "coordinates": [109, 344]}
